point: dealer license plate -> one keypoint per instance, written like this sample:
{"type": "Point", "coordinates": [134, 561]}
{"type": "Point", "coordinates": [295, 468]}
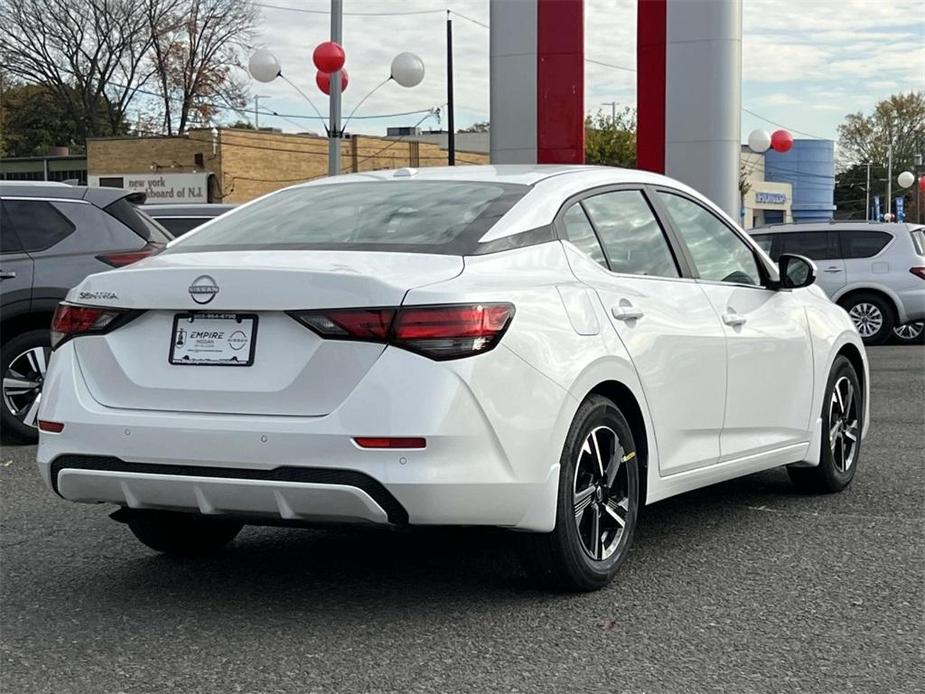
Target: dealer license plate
{"type": "Point", "coordinates": [213, 339]}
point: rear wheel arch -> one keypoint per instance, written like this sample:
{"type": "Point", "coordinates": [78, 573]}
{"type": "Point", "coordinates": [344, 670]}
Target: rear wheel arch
{"type": "Point", "coordinates": [845, 299]}
{"type": "Point", "coordinates": [621, 396]}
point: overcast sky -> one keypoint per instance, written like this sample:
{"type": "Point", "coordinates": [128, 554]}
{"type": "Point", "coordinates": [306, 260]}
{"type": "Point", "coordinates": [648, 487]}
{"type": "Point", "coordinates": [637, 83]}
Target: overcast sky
{"type": "Point", "coordinates": [806, 63]}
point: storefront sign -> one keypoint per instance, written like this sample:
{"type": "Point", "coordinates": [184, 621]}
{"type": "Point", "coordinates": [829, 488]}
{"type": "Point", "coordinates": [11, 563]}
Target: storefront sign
{"type": "Point", "coordinates": [159, 187]}
{"type": "Point", "coordinates": [763, 198]}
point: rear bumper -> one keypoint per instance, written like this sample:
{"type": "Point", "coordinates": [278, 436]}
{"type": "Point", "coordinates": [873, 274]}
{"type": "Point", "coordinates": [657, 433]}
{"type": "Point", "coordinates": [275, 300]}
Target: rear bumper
{"type": "Point", "coordinates": [491, 456]}
{"type": "Point", "coordinates": [912, 304]}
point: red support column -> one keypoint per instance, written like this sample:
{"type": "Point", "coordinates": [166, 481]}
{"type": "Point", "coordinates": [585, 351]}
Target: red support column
{"type": "Point", "coordinates": [651, 85]}
{"type": "Point", "coordinates": [560, 82]}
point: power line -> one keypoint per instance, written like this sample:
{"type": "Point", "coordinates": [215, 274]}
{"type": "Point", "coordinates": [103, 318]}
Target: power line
{"type": "Point", "coordinates": [610, 65]}
{"type": "Point", "coordinates": [779, 125]}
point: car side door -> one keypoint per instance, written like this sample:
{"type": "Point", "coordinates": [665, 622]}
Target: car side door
{"type": "Point", "coordinates": [16, 270]}
{"type": "Point", "coordinates": [616, 245]}
{"type": "Point", "coordinates": [769, 381]}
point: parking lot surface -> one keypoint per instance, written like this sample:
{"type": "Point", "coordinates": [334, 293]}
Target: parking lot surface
{"type": "Point", "coordinates": [747, 586]}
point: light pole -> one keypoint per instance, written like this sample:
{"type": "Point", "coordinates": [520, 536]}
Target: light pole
{"type": "Point", "coordinates": [867, 196]}
{"type": "Point", "coordinates": [613, 110]}
{"type": "Point", "coordinates": [337, 36]}
{"type": "Point", "coordinates": [257, 109]}
{"type": "Point", "coordinates": [450, 106]}
{"type": "Point", "coordinates": [889, 181]}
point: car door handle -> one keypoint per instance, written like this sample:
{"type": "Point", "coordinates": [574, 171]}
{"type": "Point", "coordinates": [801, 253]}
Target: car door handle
{"type": "Point", "coordinates": [7, 275]}
{"type": "Point", "coordinates": [626, 313]}
{"type": "Point", "coordinates": [832, 269]}
{"type": "Point", "coordinates": [734, 319]}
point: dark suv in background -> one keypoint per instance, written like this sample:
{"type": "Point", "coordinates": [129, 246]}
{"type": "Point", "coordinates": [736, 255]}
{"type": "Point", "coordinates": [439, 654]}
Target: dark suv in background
{"type": "Point", "coordinates": [51, 237]}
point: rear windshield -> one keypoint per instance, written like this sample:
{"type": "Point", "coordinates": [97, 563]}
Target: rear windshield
{"type": "Point", "coordinates": [138, 221]}
{"type": "Point", "coordinates": [407, 216]}
{"type": "Point", "coordinates": [918, 240]}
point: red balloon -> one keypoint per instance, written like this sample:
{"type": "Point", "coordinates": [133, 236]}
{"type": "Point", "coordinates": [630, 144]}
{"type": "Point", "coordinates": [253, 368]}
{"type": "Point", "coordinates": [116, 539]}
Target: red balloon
{"type": "Point", "coordinates": [323, 80]}
{"type": "Point", "coordinates": [329, 56]}
{"type": "Point", "coordinates": [922, 183]}
{"type": "Point", "coordinates": [781, 141]}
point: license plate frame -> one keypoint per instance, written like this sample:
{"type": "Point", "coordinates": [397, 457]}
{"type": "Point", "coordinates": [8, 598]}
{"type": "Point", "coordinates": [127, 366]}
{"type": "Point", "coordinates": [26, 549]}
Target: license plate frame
{"type": "Point", "coordinates": [191, 317]}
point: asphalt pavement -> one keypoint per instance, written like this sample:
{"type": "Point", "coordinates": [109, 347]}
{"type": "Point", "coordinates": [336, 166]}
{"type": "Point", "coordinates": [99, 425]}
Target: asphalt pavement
{"type": "Point", "coordinates": [747, 586]}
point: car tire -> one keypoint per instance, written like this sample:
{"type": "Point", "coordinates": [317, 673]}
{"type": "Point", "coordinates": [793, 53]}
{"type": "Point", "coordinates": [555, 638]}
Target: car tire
{"type": "Point", "coordinates": [842, 419]}
{"type": "Point", "coordinates": [182, 534]}
{"type": "Point", "coordinates": [909, 333]}
{"type": "Point", "coordinates": [23, 359]}
{"type": "Point", "coordinates": [570, 558]}
{"type": "Point", "coordinates": [872, 315]}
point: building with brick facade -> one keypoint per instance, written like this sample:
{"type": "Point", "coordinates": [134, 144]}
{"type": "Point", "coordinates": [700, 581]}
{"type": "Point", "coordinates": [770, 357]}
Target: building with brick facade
{"type": "Point", "coordinates": [237, 165]}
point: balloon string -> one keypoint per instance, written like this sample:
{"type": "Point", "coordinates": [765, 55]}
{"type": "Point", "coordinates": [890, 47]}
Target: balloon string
{"type": "Point", "coordinates": [304, 96]}
{"type": "Point", "coordinates": [344, 126]}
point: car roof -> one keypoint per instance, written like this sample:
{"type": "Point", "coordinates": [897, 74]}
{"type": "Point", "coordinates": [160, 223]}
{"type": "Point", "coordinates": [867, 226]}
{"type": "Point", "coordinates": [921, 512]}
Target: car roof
{"type": "Point", "coordinates": [847, 226]}
{"type": "Point", "coordinates": [522, 174]}
{"type": "Point", "coordinates": [201, 209]}
{"type": "Point", "coordinates": [101, 197]}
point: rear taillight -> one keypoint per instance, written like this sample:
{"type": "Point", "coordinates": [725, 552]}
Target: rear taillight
{"type": "Point", "coordinates": [386, 442]}
{"type": "Point", "coordinates": [123, 258]}
{"type": "Point", "coordinates": [918, 272]}
{"type": "Point", "coordinates": [70, 321]}
{"type": "Point", "coordinates": [437, 332]}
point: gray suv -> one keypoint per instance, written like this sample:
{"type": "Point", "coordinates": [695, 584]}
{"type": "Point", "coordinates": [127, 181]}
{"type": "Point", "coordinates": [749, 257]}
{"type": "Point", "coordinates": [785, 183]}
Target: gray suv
{"type": "Point", "coordinates": [875, 271]}
{"type": "Point", "coordinates": [51, 237]}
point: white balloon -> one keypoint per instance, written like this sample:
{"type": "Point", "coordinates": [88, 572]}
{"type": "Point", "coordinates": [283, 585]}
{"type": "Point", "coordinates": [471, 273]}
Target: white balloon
{"type": "Point", "coordinates": [905, 179]}
{"type": "Point", "coordinates": [263, 66]}
{"type": "Point", "coordinates": [759, 141]}
{"type": "Point", "coordinates": [407, 69]}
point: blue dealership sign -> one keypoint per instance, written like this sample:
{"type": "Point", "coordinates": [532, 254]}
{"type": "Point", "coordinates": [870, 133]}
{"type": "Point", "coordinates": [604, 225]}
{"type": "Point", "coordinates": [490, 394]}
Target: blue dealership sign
{"type": "Point", "coordinates": [900, 209]}
{"type": "Point", "coordinates": [876, 214]}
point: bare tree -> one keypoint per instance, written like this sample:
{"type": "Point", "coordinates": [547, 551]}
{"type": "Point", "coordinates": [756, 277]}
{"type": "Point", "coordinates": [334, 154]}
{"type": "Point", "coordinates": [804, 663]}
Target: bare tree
{"type": "Point", "coordinates": [90, 53]}
{"type": "Point", "coordinates": [195, 51]}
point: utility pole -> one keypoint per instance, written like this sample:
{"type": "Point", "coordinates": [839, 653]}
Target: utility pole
{"type": "Point", "coordinates": [867, 196]}
{"type": "Point", "coordinates": [257, 99]}
{"type": "Point", "coordinates": [451, 124]}
{"type": "Point", "coordinates": [334, 134]}
{"type": "Point", "coordinates": [613, 111]}
{"type": "Point", "coordinates": [889, 180]}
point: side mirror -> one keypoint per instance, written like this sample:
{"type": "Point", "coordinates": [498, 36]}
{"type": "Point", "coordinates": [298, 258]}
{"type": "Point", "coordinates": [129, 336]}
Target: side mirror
{"type": "Point", "coordinates": [796, 271]}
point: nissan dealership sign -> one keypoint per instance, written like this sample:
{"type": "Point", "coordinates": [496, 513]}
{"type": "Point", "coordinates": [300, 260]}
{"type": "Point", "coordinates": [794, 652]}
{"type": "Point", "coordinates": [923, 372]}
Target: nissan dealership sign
{"type": "Point", "coordinates": [159, 187]}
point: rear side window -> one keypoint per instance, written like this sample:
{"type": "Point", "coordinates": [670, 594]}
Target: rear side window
{"type": "Point", "coordinates": [9, 240]}
{"type": "Point", "coordinates": [38, 224]}
{"type": "Point", "coordinates": [177, 226]}
{"type": "Point", "coordinates": [579, 231]}
{"type": "Point", "coordinates": [632, 238]}
{"type": "Point", "coordinates": [815, 245]}
{"type": "Point", "coordinates": [862, 244]}
{"type": "Point", "coordinates": [918, 240]}
{"type": "Point", "coordinates": [137, 221]}
{"type": "Point", "coordinates": [405, 216]}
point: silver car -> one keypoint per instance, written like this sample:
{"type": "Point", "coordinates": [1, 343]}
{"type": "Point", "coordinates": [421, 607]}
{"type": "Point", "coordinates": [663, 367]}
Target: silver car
{"type": "Point", "coordinates": [875, 271]}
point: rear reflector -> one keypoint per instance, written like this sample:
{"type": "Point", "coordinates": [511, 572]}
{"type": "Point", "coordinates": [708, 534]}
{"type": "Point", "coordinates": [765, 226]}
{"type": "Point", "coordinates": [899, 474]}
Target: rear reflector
{"type": "Point", "coordinates": [918, 272]}
{"type": "Point", "coordinates": [51, 427]}
{"type": "Point", "coordinates": [437, 332]}
{"type": "Point", "coordinates": [390, 442]}
{"type": "Point", "coordinates": [70, 321]}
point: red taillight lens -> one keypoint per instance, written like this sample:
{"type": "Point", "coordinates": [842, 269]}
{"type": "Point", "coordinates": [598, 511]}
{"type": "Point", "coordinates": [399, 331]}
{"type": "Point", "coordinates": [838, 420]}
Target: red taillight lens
{"type": "Point", "coordinates": [390, 442]}
{"type": "Point", "coordinates": [438, 332]}
{"type": "Point", "coordinates": [123, 258]}
{"type": "Point", "coordinates": [79, 320]}
{"type": "Point", "coordinates": [51, 427]}
{"type": "Point", "coordinates": [450, 332]}
{"type": "Point", "coordinates": [356, 324]}
{"type": "Point", "coordinates": [918, 272]}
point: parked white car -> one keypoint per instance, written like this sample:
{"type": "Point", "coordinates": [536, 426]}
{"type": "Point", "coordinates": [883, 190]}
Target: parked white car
{"type": "Point", "coordinates": [542, 348]}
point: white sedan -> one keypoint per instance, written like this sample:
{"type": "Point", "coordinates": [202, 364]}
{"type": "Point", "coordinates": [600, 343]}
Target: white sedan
{"type": "Point", "coordinates": [541, 348]}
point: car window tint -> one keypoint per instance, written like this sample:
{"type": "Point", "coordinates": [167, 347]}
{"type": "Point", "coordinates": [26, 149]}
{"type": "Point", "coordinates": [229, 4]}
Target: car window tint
{"type": "Point", "coordinates": [633, 240]}
{"type": "Point", "coordinates": [138, 221]}
{"type": "Point", "coordinates": [9, 240]}
{"type": "Point", "coordinates": [579, 231]}
{"type": "Point", "coordinates": [37, 223]}
{"type": "Point", "coordinates": [918, 240]}
{"type": "Point", "coordinates": [179, 225]}
{"type": "Point", "coordinates": [765, 241]}
{"type": "Point", "coordinates": [863, 244]}
{"type": "Point", "coordinates": [405, 216]}
{"type": "Point", "coordinates": [813, 244]}
{"type": "Point", "coordinates": [718, 253]}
